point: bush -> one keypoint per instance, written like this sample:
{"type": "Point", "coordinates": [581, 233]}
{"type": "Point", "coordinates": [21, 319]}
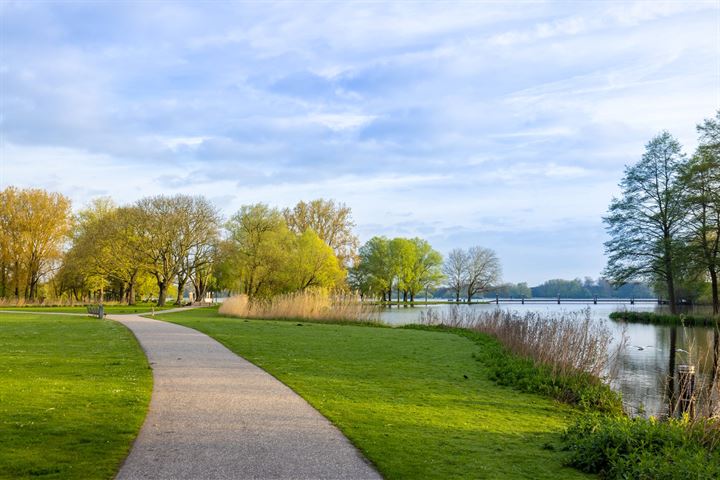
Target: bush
{"type": "Point", "coordinates": [618, 447]}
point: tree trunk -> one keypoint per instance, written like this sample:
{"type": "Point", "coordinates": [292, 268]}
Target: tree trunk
{"type": "Point", "coordinates": [457, 296]}
{"type": "Point", "coordinates": [161, 296]}
{"type": "Point", "coordinates": [405, 296]}
{"type": "Point", "coordinates": [179, 297]}
{"type": "Point", "coordinates": [714, 286]}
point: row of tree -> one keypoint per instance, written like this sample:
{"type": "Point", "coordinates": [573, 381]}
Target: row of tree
{"type": "Point", "coordinates": [665, 226]}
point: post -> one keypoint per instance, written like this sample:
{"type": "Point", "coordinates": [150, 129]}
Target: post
{"type": "Point", "coordinates": [632, 300]}
{"type": "Point", "coordinates": [101, 312]}
{"type": "Point", "coordinates": [686, 381]}
{"type": "Point", "coordinates": [522, 300]}
{"type": "Point", "coordinates": [558, 299]}
{"type": "Point", "coordinates": [595, 299]}
{"type": "Point", "coordinates": [497, 299]}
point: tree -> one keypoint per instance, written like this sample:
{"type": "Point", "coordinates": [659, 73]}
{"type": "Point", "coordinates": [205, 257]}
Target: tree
{"type": "Point", "coordinates": [377, 267]}
{"type": "Point", "coordinates": [313, 264]}
{"type": "Point", "coordinates": [483, 270]}
{"type": "Point", "coordinates": [35, 226]}
{"type": "Point", "coordinates": [427, 268]}
{"type": "Point", "coordinates": [258, 248]}
{"type": "Point", "coordinates": [455, 270]}
{"type": "Point", "coordinates": [170, 228]}
{"type": "Point", "coordinates": [701, 182]}
{"type": "Point", "coordinates": [331, 222]}
{"type": "Point", "coordinates": [646, 221]}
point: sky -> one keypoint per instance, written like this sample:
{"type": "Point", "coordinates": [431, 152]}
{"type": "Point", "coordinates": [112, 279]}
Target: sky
{"type": "Point", "coordinates": [499, 124]}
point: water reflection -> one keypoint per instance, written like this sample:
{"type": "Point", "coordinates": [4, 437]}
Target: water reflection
{"type": "Point", "coordinates": [644, 365]}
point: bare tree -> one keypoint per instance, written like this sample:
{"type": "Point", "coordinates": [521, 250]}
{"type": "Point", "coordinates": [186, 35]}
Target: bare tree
{"type": "Point", "coordinates": [483, 270]}
{"type": "Point", "coordinates": [455, 270]}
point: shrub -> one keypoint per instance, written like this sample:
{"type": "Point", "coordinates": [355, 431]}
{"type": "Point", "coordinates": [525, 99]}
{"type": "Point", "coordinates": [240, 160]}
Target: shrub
{"type": "Point", "coordinates": [664, 319]}
{"type": "Point", "coordinates": [618, 447]}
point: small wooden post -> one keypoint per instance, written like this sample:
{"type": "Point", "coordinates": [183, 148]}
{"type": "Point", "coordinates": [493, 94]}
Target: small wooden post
{"type": "Point", "coordinates": [595, 299]}
{"type": "Point", "coordinates": [686, 384]}
{"type": "Point", "coordinates": [497, 299]}
{"type": "Point", "coordinates": [632, 301]}
{"type": "Point", "coordinates": [558, 299]}
{"type": "Point", "coordinates": [522, 300]}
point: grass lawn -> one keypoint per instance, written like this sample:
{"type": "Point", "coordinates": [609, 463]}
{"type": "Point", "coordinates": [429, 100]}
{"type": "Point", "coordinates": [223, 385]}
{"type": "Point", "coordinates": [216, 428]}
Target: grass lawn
{"type": "Point", "coordinates": [415, 402]}
{"type": "Point", "coordinates": [73, 394]}
{"type": "Point", "coordinates": [109, 309]}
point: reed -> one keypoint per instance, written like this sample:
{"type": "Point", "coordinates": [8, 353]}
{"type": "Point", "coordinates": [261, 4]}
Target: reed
{"type": "Point", "coordinates": [568, 343]}
{"type": "Point", "coordinates": [315, 305]}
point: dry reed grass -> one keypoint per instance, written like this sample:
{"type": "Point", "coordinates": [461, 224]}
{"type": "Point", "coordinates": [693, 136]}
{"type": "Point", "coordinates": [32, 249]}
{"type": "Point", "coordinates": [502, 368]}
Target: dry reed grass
{"type": "Point", "coordinates": [568, 343]}
{"type": "Point", "coordinates": [315, 305]}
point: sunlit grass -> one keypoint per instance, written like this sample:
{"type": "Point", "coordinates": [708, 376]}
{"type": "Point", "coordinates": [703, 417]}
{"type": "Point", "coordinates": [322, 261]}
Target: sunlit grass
{"type": "Point", "coordinates": [416, 403]}
{"type": "Point", "coordinates": [73, 394]}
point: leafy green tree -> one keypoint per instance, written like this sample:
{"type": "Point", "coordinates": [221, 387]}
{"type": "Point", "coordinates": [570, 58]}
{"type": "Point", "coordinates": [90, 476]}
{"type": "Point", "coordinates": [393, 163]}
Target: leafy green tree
{"type": "Point", "coordinates": [257, 250]}
{"type": "Point", "coordinates": [313, 264]}
{"type": "Point", "coordinates": [427, 268]}
{"type": "Point", "coordinates": [646, 222]}
{"type": "Point", "coordinates": [377, 267]}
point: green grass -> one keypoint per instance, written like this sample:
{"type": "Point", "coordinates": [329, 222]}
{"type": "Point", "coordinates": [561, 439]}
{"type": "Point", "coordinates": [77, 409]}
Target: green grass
{"type": "Point", "coordinates": [73, 394]}
{"type": "Point", "coordinates": [109, 309]}
{"type": "Point", "coordinates": [416, 403]}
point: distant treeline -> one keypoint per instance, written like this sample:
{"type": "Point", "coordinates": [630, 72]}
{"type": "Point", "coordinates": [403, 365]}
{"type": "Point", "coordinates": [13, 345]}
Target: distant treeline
{"type": "Point", "coordinates": [576, 288]}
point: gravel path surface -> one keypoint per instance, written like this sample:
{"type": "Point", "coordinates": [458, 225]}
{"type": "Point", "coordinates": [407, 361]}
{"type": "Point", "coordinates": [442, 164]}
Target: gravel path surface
{"type": "Point", "coordinates": [214, 415]}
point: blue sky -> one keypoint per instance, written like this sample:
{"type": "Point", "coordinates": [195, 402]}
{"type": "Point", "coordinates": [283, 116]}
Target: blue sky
{"type": "Point", "coordinates": [505, 125]}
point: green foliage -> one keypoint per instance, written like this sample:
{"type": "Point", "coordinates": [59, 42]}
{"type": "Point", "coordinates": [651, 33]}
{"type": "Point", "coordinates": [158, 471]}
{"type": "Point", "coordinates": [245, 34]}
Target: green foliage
{"type": "Point", "coordinates": [416, 403]}
{"type": "Point", "coordinates": [410, 265]}
{"type": "Point", "coordinates": [638, 448]}
{"type": "Point", "coordinates": [263, 258]}
{"type": "Point", "coordinates": [664, 319]}
{"type": "Point", "coordinates": [73, 395]}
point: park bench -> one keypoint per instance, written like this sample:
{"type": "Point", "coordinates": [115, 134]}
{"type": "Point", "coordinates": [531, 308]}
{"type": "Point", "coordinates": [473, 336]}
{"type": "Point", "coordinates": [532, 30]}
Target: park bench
{"type": "Point", "coordinates": [96, 310]}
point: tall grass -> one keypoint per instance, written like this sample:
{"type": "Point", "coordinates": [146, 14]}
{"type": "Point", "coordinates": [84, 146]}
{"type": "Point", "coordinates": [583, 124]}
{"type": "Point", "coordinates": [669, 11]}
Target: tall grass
{"type": "Point", "coordinates": [568, 342]}
{"type": "Point", "coordinates": [315, 305]}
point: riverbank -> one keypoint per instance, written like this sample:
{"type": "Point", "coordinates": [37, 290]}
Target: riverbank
{"type": "Point", "coordinates": [665, 319]}
{"type": "Point", "coordinates": [417, 403]}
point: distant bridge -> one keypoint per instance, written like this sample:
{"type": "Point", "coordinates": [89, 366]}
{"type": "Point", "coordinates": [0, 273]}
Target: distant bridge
{"type": "Point", "coordinates": [559, 300]}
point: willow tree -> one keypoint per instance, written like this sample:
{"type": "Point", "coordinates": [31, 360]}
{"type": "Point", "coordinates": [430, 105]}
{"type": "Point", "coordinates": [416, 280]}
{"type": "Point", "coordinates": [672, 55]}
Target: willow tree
{"type": "Point", "coordinates": [645, 223]}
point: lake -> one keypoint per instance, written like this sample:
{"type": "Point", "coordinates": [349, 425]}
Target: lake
{"type": "Point", "coordinates": [644, 363]}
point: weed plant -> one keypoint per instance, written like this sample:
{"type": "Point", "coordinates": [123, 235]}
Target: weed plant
{"type": "Point", "coordinates": [622, 448]}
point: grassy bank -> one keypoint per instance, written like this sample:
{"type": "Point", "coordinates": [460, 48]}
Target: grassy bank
{"type": "Point", "coordinates": [419, 404]}
{"type": "Point", "coordinates": [73, 395]}
{"type": "Point", "coordinates": [664, 319]}
{"type": "Point", "coordinates": [109, 309]}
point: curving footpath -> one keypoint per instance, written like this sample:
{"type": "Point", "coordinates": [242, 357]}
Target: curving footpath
{"type": "Point", "coordinates": [214, 415]}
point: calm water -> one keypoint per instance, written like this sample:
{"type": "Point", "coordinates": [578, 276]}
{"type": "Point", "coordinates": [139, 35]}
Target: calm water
{"type": "Point", "coordinates": [644, 363]}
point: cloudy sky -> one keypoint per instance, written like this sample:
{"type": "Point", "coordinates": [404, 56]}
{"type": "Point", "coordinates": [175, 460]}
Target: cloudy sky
{"type": "Point", "coordinates": [505, 125]}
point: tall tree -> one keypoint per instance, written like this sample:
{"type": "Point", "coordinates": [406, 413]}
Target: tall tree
{"type": "Point", "coordinates": [483, 270]}
{"type": "Point", "coordinates": [455, 270]}
{"type": "Point", "coordinates": [258, 248]}
{"type": "Point", "coordinates": [378, 267]}
{"type": "Point", "coordinates": [330, 221]}
{"type": "Point", "coordinates": [427, 268]}
{"type": "Point", "coordinates": [645, 223]}
{"type": "Point", "coordinates": [36, 225]}
{"type": "Point", "coordinates": [171, 226]}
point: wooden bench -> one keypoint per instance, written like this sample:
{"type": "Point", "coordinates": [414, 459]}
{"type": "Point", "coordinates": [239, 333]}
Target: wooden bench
{"type": "Point", "coordinates": [96, 310]}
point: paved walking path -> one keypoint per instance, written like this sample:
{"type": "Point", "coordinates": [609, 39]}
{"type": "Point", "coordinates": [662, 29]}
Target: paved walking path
{"type": "Point", "coordinates": [213, 415]}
